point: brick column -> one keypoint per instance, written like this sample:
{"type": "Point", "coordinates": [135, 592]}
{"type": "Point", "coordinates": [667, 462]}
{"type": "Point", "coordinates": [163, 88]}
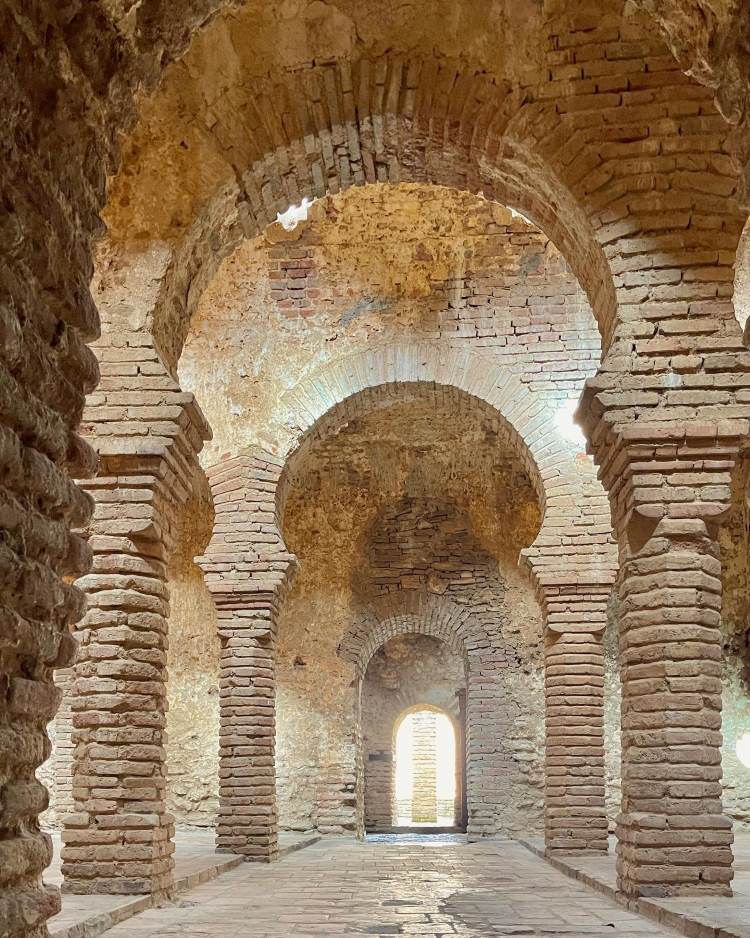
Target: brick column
{"type": "Point", "coordinates": [575, 812]}
{"type": "Point", "coordinates": [147, 433]}
{"type": "Point", "coordinates": [248, 571]}
{"type": "Point", "coordinates": [670, 489]}
{"type": "Point", "coordinates": [380, 795]}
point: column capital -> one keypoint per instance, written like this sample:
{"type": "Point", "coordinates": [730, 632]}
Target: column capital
{"type": "Point", "coordinates": [246, 562]}
{"type": "Point", "coordinates": [138, 417]}
{"type": "Point", "coordinates": [665, 466]}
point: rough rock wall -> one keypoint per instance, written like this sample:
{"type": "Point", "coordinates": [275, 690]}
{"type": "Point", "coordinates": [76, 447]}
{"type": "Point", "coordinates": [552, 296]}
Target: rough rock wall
{"type": "Point", "coordinates": [408, 671]}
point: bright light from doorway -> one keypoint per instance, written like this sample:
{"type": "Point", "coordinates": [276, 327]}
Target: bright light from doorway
{"type": "Point", "coordinates": [567, 426]}
{"type": "Point", "coordinates": [444, 779]}
{"type": "Point", "coordinates": [743, 749]}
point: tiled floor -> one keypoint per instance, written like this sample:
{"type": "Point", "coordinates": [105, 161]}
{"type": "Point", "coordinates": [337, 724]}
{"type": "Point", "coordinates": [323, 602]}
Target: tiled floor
{"type": "Point", "coordinates": [431, 888]}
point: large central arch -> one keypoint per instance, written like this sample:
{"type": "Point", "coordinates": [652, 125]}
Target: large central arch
{"type": "Point", "coordinates": [248, 568]}
{"type": "Point", "coordinates": [567, 488]}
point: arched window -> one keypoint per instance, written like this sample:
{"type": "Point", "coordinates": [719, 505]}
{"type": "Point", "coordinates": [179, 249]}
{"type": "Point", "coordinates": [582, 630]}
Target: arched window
{"type": "Point", "coordinates": [425, 769]}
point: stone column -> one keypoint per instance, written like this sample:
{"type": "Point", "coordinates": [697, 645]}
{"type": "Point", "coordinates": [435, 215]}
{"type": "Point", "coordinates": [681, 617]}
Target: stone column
{"type": "Point", "coordinates": [248, 572]}
{"type": "Point", "coordinates": [248, 821]}
{"type": "Point", "coordinates": [670, 489]}
{"type": "Point", "coordinates": [575, 812]}
{"type": "Point", "coordinates": [117, 839]}
{"type": "Point", "coordinates": [380, 792]}
{"type": "Point", "coordinates": [673, 834]}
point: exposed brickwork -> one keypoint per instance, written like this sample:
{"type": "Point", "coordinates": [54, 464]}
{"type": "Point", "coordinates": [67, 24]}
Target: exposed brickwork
{"type": "Point", "coordinates": [668, 492]}
{"type": "Point", "coordinates": [574, 534]}
{"type": "Point", "coordinates": [424, 806]}
{"type": "Point", "coordinates": [353, 386]}
{"type": "Point", "coordinates": [620, 157]}
{"type": "Point", "coordinates": [63, 751]}
{"type": "Point", "coordinates": [148, 434]}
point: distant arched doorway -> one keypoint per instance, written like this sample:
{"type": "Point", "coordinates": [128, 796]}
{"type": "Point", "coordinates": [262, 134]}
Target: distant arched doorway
{"type": "Point", "coordinates": [426, 787]}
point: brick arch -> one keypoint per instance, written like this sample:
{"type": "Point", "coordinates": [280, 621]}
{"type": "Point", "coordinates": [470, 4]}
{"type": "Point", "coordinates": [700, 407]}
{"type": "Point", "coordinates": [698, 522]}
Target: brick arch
{"type": "Point", "coordinates": [415, 613]}
{"type": "Point", "coordinates": [378, 805]}
{"type": "Point", "coordinates": [460, 140]}
{"type": "Point", "coordinates": [568, 491]}
{"type": "Point", "coordinates": [414, 707]}
{"type": "Point", "coordinates": [617, 138]}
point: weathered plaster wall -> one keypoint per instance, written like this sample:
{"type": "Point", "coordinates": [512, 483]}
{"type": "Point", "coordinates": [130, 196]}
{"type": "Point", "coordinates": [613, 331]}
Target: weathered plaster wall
{"type": "Point", "coordinates": [193, 698]}
{"type": "Point", "coordinates": [316, 694]}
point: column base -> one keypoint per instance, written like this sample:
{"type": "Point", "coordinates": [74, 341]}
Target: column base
{"type": "Point", "coordinates": [683, 855]}
{"type": "Point", "coordinates": [255, 845]}
{"type": "Point", "coordinates": [121, 856]}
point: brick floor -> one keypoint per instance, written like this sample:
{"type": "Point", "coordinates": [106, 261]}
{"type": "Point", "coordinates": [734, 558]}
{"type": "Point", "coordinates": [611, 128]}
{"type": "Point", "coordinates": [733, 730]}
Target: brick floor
{"type": "Point", "coordinates": [341, 887]}
{"type": "Point", "coordinates": [696, 916]}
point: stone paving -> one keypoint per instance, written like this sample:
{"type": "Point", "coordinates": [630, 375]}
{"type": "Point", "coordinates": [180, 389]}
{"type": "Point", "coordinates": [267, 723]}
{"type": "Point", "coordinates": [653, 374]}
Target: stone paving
{"type": "Point", "coordinates": [696, 916]}
{"type": "Point", "coordinates": [339, 887]}
{"type": "Point", "coordinates": [195, 862]}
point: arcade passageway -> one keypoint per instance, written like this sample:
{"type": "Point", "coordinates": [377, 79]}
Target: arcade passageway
{"type": "Point", "coordinates": [374, 458]}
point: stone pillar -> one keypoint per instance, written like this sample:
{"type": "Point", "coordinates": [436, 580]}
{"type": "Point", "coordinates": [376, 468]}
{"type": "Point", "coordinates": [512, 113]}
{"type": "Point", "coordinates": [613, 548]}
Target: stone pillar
{"type": "Point", "coordinates": [424, 768]}
{"type": "Point", "coordinates": [573, 565]}
{"type": "Point", "coordinates": [248, 572]}
{"type": "Point", "coordinates": [380, 791]}
{"type": "Point", "coordinates": [669, 487]}
{"type": "Point", "coordinates": [248, 821]}
{"type": "Point", "coordinates": [117, 839]}
{"type": "Point", "coordinates": [672, 831]}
